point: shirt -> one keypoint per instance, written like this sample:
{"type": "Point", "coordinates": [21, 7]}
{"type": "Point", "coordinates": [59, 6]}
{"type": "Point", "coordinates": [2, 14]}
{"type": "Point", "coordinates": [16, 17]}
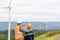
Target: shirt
{"type": "Point", "coordinates": [26, 31]}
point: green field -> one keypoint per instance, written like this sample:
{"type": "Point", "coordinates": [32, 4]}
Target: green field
{"type": "Point", "coordinates": [4, 35]}
{"type": "Point", "coordinates": [39, 35]}
{"type": "Point", "coordinates": [53, 35]}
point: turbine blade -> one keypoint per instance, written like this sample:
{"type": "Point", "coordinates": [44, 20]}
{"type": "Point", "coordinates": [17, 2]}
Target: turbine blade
{"type": "Point", "coordinates": [3, 7]}
{"type": "Point", "coordinates": [10, 3]}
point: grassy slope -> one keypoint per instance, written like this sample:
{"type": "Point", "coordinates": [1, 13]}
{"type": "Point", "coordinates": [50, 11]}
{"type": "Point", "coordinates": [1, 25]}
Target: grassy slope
{"type": "Point", "coordinates": [45, 37]}
{"type": "Point", "coordinates": [4, 35]}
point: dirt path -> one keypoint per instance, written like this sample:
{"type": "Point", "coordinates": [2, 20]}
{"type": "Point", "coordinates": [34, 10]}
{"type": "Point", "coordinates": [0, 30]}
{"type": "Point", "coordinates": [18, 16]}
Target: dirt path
{"type": "Point", "coordinates": [58, 38]}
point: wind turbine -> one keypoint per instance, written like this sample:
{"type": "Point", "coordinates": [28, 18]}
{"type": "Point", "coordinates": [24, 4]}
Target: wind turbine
{"type": "Point", "coordinates": [40, 27]}
{"type": "Point", "coordinates": [46, 27]}
{"type": "Point", "coordinates": [9, 7]}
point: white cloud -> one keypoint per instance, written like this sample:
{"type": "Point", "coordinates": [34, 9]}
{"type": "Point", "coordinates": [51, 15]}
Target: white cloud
{"type": "Point", "coordinates": [4, 3]}
{"type": "Point", "coordinates": [30, 17]}
{"type": "Point", "coordinates": [33, 10]}
{"type": "Point", "coordinates": [4, 17]}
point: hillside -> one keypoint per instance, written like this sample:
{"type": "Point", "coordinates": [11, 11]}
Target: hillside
{"type": "Point", "coordinates": [36, 33]}
{"type": "Point", "coordinates": [4, 35]}
{"type": "Point", "coordinates": [53, 35]}
{"type": "Point", "coordinates": [49, 35]}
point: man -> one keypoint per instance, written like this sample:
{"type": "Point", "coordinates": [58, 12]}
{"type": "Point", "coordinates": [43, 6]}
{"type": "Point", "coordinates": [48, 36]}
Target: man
{"type": "Point", "coordinates": [29, 35]}
{"type": "Point", "coordinates": [18, 34]}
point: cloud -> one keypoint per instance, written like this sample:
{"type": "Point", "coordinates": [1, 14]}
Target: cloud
{"type": "Point", "coordinates": [4, 3]}
{"type": "Point", "coordinates": [29, 17]}
{"type": "Point", "coordinates": [4, 17]}
{"type": "Point", "coordinates": [32, 10]}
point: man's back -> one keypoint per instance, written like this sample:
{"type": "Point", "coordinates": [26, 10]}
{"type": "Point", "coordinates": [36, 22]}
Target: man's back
{"type": "Point", "coordinates": [18, 34]}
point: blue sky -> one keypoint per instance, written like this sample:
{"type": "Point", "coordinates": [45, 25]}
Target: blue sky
{"type": "Point", "coordinates": [31, 10]}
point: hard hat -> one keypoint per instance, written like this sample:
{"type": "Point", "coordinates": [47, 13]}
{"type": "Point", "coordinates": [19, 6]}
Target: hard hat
{"type": "Point", "coordinates": [29, 25]}
{"type": "Point", "coordinates": [19, 21]}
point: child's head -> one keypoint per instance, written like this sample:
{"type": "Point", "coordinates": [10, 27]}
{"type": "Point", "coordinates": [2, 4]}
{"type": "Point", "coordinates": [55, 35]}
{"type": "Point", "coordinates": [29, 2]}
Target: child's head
{"type": "Point", "coordinates": [28, 26]}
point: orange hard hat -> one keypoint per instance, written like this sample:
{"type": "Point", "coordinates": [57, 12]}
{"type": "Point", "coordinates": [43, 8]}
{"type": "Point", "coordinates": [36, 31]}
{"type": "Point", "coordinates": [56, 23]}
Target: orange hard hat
{"type": "Point", "coordinates": [29, 25]}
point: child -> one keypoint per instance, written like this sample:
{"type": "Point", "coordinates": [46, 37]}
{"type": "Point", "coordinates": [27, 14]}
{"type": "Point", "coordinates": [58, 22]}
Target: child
{"type": "Point", "coordinates": [29, 35]}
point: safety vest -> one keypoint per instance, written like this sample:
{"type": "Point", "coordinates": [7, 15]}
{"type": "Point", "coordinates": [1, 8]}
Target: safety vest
{"type": "Point", "coordinates": [18, 34]}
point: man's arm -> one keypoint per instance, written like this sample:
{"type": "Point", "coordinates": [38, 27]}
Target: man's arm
{"type": "Point", "coordinates": [21, 29]}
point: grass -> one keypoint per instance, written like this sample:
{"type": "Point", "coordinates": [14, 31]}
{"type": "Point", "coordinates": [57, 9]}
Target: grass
{"type": "Point", "coordinates": [47, 38]}
{"type": "Point", "coordinates": [53, 35]}
{"type": "Point", "coordinates": [4, 34]}
{"type": "Point", "coordinates": [3, 37]}
{"type": "Point", "coordinates": [39, 35]}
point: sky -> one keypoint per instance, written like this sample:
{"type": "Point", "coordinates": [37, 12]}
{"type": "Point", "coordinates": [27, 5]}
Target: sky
{"type": "Point", "coordinates": [31, 10]}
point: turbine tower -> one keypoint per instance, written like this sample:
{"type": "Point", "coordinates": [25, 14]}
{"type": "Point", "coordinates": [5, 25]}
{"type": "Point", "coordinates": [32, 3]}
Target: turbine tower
{"type": "Point", "coordinates": [46, 27]}
{"type": "Point", "coordinates": [9, 8]}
